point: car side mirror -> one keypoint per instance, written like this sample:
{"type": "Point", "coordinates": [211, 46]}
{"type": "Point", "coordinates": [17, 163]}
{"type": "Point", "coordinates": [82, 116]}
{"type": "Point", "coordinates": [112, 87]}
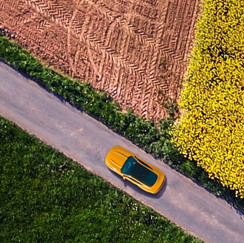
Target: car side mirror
{"type": "Point", "coordinates": [124, 177]}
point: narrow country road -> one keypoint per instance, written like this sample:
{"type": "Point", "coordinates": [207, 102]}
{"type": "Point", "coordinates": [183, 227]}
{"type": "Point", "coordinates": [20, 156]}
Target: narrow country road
{"type": "Point", "coordinates": [87, 141]}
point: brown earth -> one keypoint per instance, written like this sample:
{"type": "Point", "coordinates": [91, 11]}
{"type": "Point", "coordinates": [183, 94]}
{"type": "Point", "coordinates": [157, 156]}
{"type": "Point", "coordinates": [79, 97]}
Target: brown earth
{"type": "Point", "coordinates": [135, 50]}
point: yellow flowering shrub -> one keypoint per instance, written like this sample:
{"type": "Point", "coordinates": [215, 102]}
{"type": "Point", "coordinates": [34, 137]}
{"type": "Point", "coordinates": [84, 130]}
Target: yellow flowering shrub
{"type": "Point", "coordinates": [211, 129]}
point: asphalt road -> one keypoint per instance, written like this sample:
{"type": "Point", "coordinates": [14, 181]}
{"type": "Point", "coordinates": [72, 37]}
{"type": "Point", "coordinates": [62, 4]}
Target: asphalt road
{"type": "Point", "coordinates": [87, 141]}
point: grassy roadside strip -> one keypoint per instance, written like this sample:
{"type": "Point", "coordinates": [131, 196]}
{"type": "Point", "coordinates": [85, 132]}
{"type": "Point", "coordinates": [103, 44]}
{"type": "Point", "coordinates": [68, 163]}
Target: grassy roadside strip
{"type": "Point", "coordinates": [46, 197]}
{"type": "Point", "coordinates": [144, 134]}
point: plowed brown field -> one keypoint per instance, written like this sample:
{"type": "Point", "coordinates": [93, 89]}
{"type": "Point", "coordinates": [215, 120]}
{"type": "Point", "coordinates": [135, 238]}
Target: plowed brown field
{"type": "Point", "coordinates": [136, 50]}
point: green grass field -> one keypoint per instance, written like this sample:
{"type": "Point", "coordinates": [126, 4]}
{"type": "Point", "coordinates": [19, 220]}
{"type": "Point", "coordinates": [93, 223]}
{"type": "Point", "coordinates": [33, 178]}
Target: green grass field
{"type": "Point", "coordinates": [46, 197]}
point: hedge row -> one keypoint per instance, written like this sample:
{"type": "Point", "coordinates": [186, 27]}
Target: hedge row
{"type": "Point", "coordinates": [97, 104]}
{"type": "Point", "coordinates": [212, 130]}
{"type": "Point", "coordinates": [154, 140]}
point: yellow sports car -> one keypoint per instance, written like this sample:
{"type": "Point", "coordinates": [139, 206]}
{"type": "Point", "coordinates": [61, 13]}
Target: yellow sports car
{"type": "Point", "coordinates": [132, 168]}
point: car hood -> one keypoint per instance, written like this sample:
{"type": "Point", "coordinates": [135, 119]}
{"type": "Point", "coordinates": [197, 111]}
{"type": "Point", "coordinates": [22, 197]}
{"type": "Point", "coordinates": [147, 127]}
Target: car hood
{"type": "Point", "coordinates": [117, 157]}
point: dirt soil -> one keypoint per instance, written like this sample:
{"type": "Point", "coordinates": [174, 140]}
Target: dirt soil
{"type": "Point", "coordinates": [136, 50]}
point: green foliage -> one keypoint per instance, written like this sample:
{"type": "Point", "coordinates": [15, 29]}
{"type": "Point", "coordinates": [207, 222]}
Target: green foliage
{"type": "Point", "coordinates": [153, 139]}
{"type": "Point", "coordinates": [82, 95]}
{"type": "Point", "coordinates": [46, 197]}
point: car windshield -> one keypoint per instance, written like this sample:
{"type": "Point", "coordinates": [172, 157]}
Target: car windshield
{"type": "Point", "coordinates": [141, 173]}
